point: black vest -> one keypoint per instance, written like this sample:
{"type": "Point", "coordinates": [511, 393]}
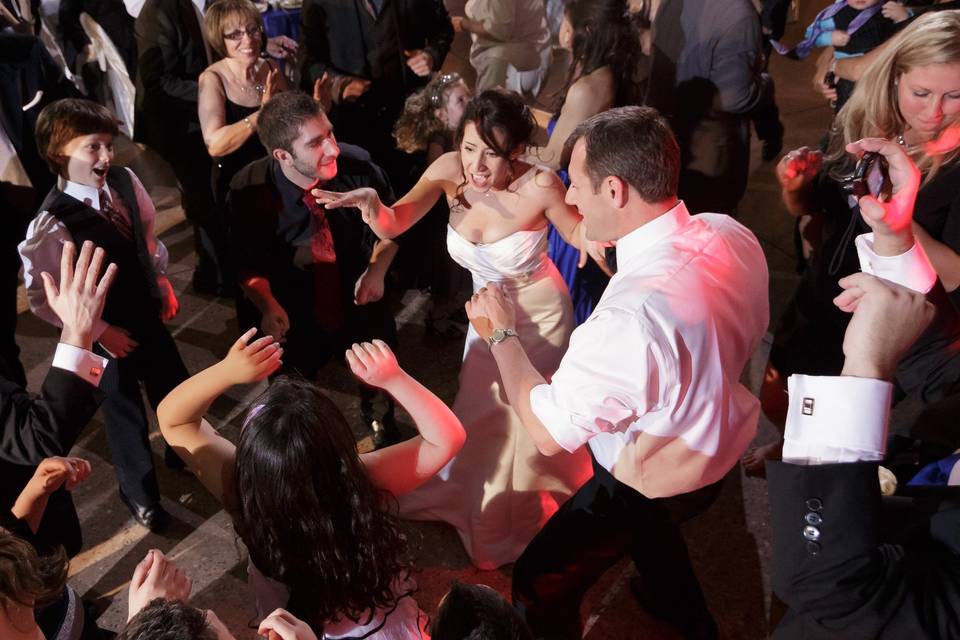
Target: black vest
{"type": "Point", "coordinates": [134, 299]}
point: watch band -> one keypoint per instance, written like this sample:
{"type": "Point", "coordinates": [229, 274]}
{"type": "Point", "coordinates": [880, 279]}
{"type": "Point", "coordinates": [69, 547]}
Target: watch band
{"type": "Point", "coordinates": [499, 335]}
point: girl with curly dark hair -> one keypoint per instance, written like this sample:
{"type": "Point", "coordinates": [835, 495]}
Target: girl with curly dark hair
{"type": "Point", "coordinates": [318, 520]}
{"type": "Point", "coordinates": [432, 115]}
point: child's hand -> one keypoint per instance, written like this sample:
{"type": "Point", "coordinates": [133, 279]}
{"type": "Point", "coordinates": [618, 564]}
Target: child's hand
{"type": "Point", "coordinates": [840, 38]}
{"type": "Point", "coordinates": [369, 287]}
{"type": "Point", "coordinates": [374, 363]}
{"type": "Point", "coordinates": [798, 168]}
{"type": "Point", "coordinates": [53, 473]}
{"type": "Point", "coordinates": [895, 11]}
{"type": "Point", "coordinates": [246, 363]}
{"type": "Point", "coordinates": [117, 341]}
{"type": "Point", "coordinates": [169, 305]}
{"type": "Point", "coordinates": [156, 577]}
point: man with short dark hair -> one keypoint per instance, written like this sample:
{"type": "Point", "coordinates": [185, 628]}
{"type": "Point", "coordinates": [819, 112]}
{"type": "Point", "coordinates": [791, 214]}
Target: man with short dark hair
{"type": "Point", "coordinates": [650, 380]}
{"type": "Point", "coordinates": [311, 278]}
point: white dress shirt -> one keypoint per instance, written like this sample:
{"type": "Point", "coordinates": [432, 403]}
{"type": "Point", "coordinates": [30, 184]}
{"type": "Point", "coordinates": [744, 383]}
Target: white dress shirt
{"type": "Point", "coordinates": [844, 418]}
{"type": "Point", "coordinates": [89, 366]}
{"type": "Point", "coordinates": [41, 249]}
{"type": "Point", "coordinates": [651, 379]}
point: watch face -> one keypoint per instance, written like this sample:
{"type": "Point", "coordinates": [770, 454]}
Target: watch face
{"type": "Point", "coordinates": [498, 334]}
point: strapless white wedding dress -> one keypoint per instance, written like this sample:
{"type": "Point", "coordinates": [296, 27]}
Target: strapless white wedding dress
{"type": "Point", "coordinates": [500, 491]}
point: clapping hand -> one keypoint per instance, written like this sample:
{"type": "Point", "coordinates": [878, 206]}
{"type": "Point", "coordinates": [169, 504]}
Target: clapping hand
{"type": "Point", "coordinates": [798, 168]}
{"type": "Point", "coordinates": [271, 86]}
{"type": "Point", "coordinates": [79, 299]}
{"type": "Point", "coordinates": [249, 362]}
{"type": "Point", "coordinates": [156, 577]}
{"type": "Point", "coordinates": [374, 363]}
{"type": "Point", "coordinates": [55, 472]}
{"type": "Point", "coordinates": [323, 91]}
{"type": "Point", "coordinates": [283, 625]}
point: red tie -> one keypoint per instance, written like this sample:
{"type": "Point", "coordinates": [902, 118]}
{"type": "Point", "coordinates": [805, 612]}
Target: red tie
{"type": "Point", "coordinates": [118, 220]}
{"type": "Point", "coordinates": [327, 308]}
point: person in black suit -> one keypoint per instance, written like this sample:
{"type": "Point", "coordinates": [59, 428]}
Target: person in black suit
{"type": "Point", "coordinates": [374, 53]}
{"type": "Point", "coordinates": [311, 278]}
{"type": "Point", "coordinates": [171, 54]}
{"type": "Point", "coordinates": [39, 427]}
{"type": "Point", "coordinates": [831, 563]}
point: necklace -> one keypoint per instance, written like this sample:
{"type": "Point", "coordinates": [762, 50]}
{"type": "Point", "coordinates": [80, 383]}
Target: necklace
{"type": "Point", "coordinates": [901, 141]}
{"type": "Point", "coordinates": [250, 88]}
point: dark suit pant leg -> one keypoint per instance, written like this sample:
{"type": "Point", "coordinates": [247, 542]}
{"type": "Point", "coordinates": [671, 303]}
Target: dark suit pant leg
{"type": "Point", "coordinates": [161, 367]}
{"type": "Point", "coordinates": [60, 523]}
{"type": "Point", "coordinates": [127, 433]}
{"type": "Point", "coordinates": [590, 533]}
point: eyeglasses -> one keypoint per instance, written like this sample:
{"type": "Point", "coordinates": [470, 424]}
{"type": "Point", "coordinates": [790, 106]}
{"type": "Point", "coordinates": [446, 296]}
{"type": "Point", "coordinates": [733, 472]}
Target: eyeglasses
{"type": "Point", "coordinates": [253, 32]}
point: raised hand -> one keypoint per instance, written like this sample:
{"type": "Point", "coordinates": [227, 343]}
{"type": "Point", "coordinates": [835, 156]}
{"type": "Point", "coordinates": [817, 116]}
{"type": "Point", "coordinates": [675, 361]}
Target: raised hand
{"type": "Point", "coordinates": [798, 168]}
{"type": "Point", "coordinates": [79, 299]}
{"type": "Point", "coordinates": [891, 220]}
{"type": "Point", "coordinates": [489, 309]}
{"type": "Point", "coordinates": [283, 625]}
{"type": "Point", "coordinates": [117, 341]}
{"type": "Point", "coordinates": [271, 87]}
{"type": "Point", "coordinates": [887, 320]}
{"type": "Point", "coordinates": [156, 577]}
{"type": "Point", "coordinates": [249, 362]}
{"type": "Point", "coordinates": [592, 249]}
{"type": "Point", "coordinates": [374, 363]}
{"type": "Point", "coordinates": [323, 91]}
{"type": "Point", "coordinates": [365, 199]}
{"type": "Point", "coordinates": [354, 88]}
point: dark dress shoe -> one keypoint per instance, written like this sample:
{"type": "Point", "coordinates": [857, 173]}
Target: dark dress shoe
{"type": "Point", "coordinates": [153, 517]}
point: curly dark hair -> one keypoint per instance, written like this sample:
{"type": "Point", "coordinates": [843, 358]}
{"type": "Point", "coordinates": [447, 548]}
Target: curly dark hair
{"type": "Point", "coordinates": [477, 612]}
{"type": "Point", "coordinates": [492, 110]}
{"type": "Point", "coordinates": [168, 620]}
{"type": "Point", "coordinates": [307, 511]}
{"type": "Point", "coordinates": [603, 36]}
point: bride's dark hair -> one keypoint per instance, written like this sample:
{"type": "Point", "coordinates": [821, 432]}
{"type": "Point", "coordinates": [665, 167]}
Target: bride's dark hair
{"type": "Point", "coordinates": [492, 110]}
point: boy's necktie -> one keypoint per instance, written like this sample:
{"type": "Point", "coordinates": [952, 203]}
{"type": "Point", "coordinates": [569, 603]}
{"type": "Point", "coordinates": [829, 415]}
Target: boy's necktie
{"type": "Point", "coordinates": [114, 216]}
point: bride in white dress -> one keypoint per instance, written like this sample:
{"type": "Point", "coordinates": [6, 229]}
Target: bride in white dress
{"type": "Point", "coordinates": [499, 491]}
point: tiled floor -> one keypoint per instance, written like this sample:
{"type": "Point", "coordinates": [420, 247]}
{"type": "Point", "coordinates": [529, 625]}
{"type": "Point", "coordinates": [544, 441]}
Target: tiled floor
{"type": "Point", "coordinates": [729, 544]}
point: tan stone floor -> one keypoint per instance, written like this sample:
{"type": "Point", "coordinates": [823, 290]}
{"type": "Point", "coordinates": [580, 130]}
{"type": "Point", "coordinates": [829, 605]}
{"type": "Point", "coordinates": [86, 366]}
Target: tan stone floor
{"type": "Point", "coordinates": [729, 545]}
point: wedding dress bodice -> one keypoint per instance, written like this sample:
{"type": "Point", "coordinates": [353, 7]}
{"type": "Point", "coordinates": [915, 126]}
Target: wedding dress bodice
{"type": "Point", "coordinates": [519, 255]}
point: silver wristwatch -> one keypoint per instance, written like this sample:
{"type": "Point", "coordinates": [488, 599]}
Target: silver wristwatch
{"type": "Point", "coordinates": [499, 335]}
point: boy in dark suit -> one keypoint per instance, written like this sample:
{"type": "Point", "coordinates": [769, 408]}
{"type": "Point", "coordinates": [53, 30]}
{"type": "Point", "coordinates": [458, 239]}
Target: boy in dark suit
{"type": "Point", "coordinates": [109, 206]}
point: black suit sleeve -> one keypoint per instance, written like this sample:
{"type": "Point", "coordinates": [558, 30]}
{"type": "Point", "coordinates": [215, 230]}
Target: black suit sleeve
{"type": "Point", "coordinates": [37, 427]}
{"type": "Point", "coordinates": [159, 56]}
{"type": "Point", "coordinates": [438, 28]}
{"type": "Point", "coordinates": [69, 17]}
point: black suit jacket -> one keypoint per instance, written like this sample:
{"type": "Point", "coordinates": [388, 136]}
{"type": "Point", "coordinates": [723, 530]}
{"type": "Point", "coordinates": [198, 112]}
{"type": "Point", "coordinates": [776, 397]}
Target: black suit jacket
{"type": "Point", "coordinates": [37, 427]}
{"type": "Point", "coordinates": [170, 58]}
{"type": "Point", "coordinates": [847, 583]}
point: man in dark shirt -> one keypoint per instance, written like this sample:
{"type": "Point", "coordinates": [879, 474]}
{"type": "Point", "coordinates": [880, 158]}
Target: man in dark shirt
{"type": "Point", "coordinates": [311, 278]}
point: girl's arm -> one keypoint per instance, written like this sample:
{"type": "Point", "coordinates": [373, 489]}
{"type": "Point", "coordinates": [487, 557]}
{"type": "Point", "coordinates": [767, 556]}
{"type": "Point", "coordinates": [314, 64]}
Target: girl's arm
{"type": "Point", "coordinates": [584, 99]}
{"type": "Point", "coordinates": [403, 467]}
{"type": "Point", "coordinates": [389, 222]}
{"type": "Point", "coordinates": [567, 220]}
{"type": "Point", "coordinates": [181, 413]}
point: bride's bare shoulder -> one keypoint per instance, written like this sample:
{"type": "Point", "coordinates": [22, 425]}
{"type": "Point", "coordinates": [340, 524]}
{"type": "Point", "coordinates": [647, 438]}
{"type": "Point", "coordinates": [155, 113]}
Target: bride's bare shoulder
{"type": "Point", "coordinates": [446, 167]}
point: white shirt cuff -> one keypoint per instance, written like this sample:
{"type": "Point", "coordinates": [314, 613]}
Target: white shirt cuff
{"type": "Point", "coordinates": [556, 420]}
{"type": "Point", "coordinates": [911, 269]}
{"type": "Point", "coordinates": [836, 419]}
{"type": "Point", "coordinates": [85, 364]}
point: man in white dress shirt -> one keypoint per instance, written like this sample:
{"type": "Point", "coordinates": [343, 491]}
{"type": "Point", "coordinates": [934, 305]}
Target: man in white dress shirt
{"type": "Point", "coordinates": [650, 380]}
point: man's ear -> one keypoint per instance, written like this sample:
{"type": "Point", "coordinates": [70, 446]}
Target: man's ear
{"type": "Point", "coordinates": [281, 155]}
{"type": "Point", "coordinates": [616, 190]}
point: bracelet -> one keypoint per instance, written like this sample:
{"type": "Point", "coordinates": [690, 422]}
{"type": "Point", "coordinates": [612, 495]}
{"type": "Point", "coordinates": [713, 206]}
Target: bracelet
{"type": "Point", "coordinates": [247, 122]}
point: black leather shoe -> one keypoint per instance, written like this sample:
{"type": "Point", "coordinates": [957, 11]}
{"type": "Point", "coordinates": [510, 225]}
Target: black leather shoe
{"type": "Point", "coordinates": [153, 517]}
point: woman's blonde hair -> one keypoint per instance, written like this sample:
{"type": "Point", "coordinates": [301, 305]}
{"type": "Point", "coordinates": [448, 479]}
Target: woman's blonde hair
{"type": "Point", "coordinates": [873, 109]}
{"type": "Point", "coordinates": [418, 123]}
{"type": "Point", "coordinates": [219, 13]}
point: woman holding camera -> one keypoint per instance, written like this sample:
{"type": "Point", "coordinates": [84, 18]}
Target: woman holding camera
{"type": "Point", "coordinates": [911, 94]}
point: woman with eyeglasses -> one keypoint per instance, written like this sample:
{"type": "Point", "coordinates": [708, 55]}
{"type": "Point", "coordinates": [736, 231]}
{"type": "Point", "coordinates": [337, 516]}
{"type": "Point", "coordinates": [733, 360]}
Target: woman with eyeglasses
{"type": "Point", "coordinates": [232, 89]}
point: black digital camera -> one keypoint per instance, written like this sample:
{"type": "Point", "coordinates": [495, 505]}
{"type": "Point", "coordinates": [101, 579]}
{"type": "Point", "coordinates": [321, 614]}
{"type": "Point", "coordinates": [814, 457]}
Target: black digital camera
{"type": "Point", "coordinates": [870, 177]}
